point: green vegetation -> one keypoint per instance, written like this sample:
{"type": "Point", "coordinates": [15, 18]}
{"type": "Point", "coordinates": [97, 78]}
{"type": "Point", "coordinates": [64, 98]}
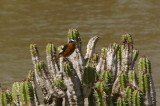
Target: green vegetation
{"type": "Point", "coordinates": [108, 79]}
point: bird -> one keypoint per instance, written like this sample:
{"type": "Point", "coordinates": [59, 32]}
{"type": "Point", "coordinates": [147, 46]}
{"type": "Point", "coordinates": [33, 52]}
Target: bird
{"type": "Point", "coordinates": [67, 49]}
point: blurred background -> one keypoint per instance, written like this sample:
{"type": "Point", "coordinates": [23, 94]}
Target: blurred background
{"type": "Point", "coordinates": [23, 22]}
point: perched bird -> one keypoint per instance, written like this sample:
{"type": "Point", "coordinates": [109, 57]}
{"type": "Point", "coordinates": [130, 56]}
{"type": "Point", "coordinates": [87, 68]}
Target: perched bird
{"type": "Point", "coordinates": [67, 49]}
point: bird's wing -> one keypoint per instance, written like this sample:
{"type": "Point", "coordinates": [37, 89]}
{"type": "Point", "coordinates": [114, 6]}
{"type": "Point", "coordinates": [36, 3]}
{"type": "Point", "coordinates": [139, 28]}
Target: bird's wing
{"type": "Point", "coordinates": [63, 49]}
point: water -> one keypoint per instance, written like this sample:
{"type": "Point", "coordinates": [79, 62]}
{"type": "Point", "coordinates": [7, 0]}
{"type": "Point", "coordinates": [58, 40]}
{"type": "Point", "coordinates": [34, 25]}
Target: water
{"type": "Point", "coordinates": [27, 21]}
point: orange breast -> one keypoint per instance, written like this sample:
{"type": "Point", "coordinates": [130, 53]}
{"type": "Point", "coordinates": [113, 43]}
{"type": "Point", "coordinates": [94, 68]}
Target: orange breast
{"type": "Point", "coordinates": [70, 49]}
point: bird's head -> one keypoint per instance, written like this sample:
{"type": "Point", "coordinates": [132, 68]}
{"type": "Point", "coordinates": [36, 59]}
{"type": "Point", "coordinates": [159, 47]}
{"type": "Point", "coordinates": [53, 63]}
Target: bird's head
{"type": "Point", "coordinates": [72, 41]}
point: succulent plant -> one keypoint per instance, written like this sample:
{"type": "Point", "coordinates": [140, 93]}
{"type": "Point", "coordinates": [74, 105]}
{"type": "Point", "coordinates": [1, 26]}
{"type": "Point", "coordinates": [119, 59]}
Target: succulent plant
{"type": "Point", "coordinates": [6, 97]}
{"type": "Point", "coordinates": [60, 84]}
{"type": "Point", "coordinates": [123, 80]}
{"type": "Point", "coordinates": [106, 80]}
{"type": "Point", "coordinates": [121, 101]}
{"type": "Point", "coordinates": [74, 34]}
{"type": "Point", "coordinates": [132, 77]}
{"type": "Point", "coordinates": [137, 98]}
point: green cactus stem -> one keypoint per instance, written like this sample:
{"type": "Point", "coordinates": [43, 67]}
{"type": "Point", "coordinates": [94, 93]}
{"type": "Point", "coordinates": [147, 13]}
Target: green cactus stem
{"type": "Point", "coordinates": [91, 99]}
{"type": "Point", "coordinates": [74, 34]}
{"type": "Point", "coordinates": [0, 97]}
{"type": "Point", "coordinates": [30, 76]}
{"type": "Point", "coordinates": [104, 87]}
{"type": "Point", "coordinates": [6, 97]}
{"type": "Point", "coordinates": [23, 93]}
{"type": "Point", "coordinates": [119, 53]}
{"type": "Point", "coordinates": [15, 93]}
{"type": "Point", "coordinates": [28, 93]}
{"type": "Point", "coordinates": [106, 76]}
{"type": "Point", "coordinates": [51, 58]}
{"type": "Point", "coordinates": [33, 50]}
{"type": "Point", "coordinates": [121, 101]}
{"type": "Point", "coordinates": [135, 55]}
{"type": "Point", "coordinates": [89, 75]}
{"type": "Point", "coordinates": [137, 98]}
{"type": "Point", "coordinates": [0, 86]}
{"type": "Point", "coordinates": [144, 82]}
{"type": "Point", "coordinates": [132, 78]}
{"type": "Point", "coordinates": [39, 67]}
{"type": "Point", "coordinates": [144, 65]}
{"type": "Point", "coordinates": [104, 52]}
{"type": "Point", "coordinates": [123, 80]}
{"type": "Point", "coordinates": [67, 69]}
{"type": "Point", "coordinates": [50, 48]}
{"type": "Point", "coordinates": [60, 48]}
{"type": "Point", "coordinates": [95, 57]}
{"type": "Point", "coordinates": [129, 92]}
{"type": "Point", "coordinates": [115, 46]}
{"type": "Point", "coordinates": [127, 39]}
{"type": "Point", "coordinates": [100, 95]}
{"type": "Point", "coordinates": [3, 99]}
{"type": "Point", "coordinates": [60, 84]}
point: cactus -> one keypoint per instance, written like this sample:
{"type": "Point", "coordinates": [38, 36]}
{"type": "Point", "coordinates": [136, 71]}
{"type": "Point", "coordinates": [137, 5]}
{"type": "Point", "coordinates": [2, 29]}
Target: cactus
{"type": "Point", "coordinates": [27, 92]}
{"type": "Point", "coordinates": [127, 39]}
{"type": "Point", "coordinates": [15, 92]}
{"type": "Point", "coordinates": [103, 88]}
{"type": "Point", "coordinates": [109, 79]}
{"type": "Point", "coordinates": [132, 78]}
{"type": "Point", "coordinates": [121, 101]}
{"type": "Point", "coordinates": [67, 69]}
{"type": "Point", "coordinates": [129, 93]}
{"type": "Point", "coordinates": [3, 99]}
{"type": "Point", "coordinates": [135, 55]}
{"type": "Point", "coordinates": [60, 84]}
{"type": "Point", "coordinates": [104, 52]}
{"type": "Point", "coordinates": [89, 75]}
{"type": "Point", "coordinates": [6, 97]}
{"type": "Point", "coordinates": [123, 80]}
{"type": "Point", "coordinates": [50, 48]}
{"type": "Point", "coordinates": [144, 82]}
{"type": "Point", "coordinates": [144, 65]}
{"type": "Point", "coordinates": [74, 34]}
{"type": "Point", "coordinates": [23, 93]}
{"type": "Point", "coordinates": [119, 53]}
{"type": "Point", "coordinates": [137, 98]}
{"type": "Point", "coordinates": [95, 57]}
{"type": "Point", "coordinates": [99, 92]}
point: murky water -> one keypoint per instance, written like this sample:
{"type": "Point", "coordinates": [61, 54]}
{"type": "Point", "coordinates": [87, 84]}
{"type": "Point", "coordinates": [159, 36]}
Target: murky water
{"type": "Point", "coordinates": [41, 21]}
